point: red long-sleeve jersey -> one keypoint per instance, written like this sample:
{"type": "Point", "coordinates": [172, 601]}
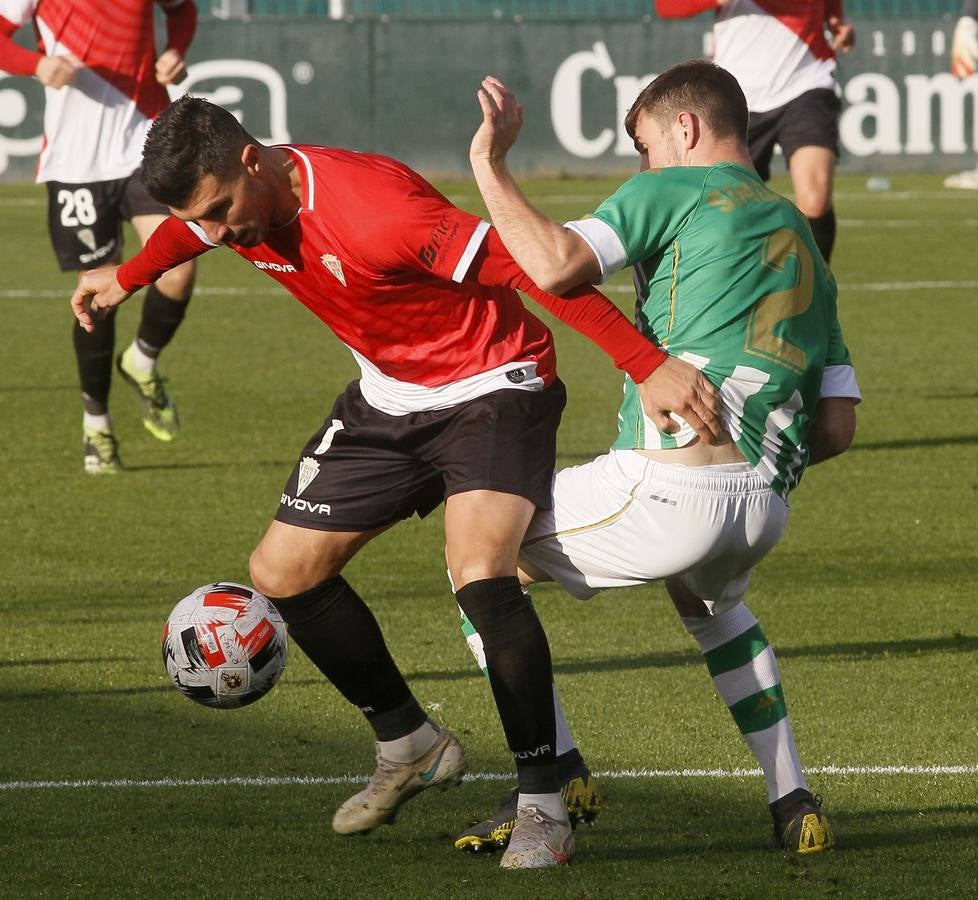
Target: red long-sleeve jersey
{"type": "Point", "coordinates": [423, 293]}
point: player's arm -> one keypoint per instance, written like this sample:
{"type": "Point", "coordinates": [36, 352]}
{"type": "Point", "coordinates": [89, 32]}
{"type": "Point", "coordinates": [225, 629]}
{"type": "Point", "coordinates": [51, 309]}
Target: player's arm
{"type": "Point", "coordinates": [843, 34]}
{"type": "Point", "coordinates": [51, 71]}
{"type": "Point", "coordinates": [665, 384]}
{"type": "Point", "coordinates": [172, 243]}
{"type": "Point", "coordinates": [833, 428]}
{"type": "Point", "coordinates": [555, 258]}
{"type": "Point", "coordinates": [964, 42]}
{"type": "Point", "coordinates": [683, 9]}
{"type": "Point", "coordinates": [181, 23]}
{"type": "Point", "coordinates": [834, 425]}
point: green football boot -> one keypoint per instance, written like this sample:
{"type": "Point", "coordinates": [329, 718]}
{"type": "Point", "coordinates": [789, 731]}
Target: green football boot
{"type": "Point", "coordinates": [101, 452]}
{"type": "Point", "coordinates": [159, 412]}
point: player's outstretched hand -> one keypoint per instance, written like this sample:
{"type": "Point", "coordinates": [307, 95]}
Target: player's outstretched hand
{"type": "Point", "coordinates": [56, 71]}
{"type": "Point", "coordinates": [964, 48]}
{"type": "Point", "coordinates": [98, 291]}
{"type": "Point", "coordinates": [170, 67]}
{"type": "Point", "coordinates": [843, 34]}
{"type": "Point", "coordinates": [502, 119]}
{"type": "Point", "coordinates": [676, 386]}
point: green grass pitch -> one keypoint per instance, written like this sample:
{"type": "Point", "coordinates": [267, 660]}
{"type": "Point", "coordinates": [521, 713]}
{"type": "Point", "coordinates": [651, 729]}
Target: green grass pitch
{"type": "Point", "coordinates": [114, 785]}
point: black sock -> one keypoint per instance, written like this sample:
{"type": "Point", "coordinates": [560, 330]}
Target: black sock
{"type": "Point", "coordinates": [336, 630]}
{"type": "Point", "coordinates": [161, 318]}
{"type": "Point", "coordinates": [824, 230]}
{"type": "Point", "coordinates": [570, 764]}
{"type": "Point", "coordinates": [520, 673]}
{"type": "Point", "coordinates": [93, 352]}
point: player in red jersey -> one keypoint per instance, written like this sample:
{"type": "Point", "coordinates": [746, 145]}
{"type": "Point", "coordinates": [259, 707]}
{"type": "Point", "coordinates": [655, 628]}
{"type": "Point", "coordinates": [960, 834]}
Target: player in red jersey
{"type": "Point", "coordinates": [104, 84]}
{"type": "Point", "coordinates": [458, 400]}
{"type": "Point", "coordinates": [778, 51]}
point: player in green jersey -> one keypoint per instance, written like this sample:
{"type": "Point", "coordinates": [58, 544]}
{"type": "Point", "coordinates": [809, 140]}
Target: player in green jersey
{"type": "Point", "coordinates": [730, 279]}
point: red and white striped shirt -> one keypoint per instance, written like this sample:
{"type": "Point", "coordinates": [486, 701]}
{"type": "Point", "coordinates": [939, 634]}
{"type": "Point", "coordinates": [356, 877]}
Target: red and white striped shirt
{"type": "Point", "coordinates": [776, 49]}
{"type": "Point", "coordinates": [94, 127]}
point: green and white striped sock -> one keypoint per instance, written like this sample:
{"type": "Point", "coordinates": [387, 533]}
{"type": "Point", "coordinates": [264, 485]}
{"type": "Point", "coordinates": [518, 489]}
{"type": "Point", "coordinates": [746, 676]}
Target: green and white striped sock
{"type": "Point", "coordinates": [745, 674]}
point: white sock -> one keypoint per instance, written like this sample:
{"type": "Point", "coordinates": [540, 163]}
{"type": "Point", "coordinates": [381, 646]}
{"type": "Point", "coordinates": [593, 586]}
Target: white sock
{"type": "Point", "coordinates": [551, 805]}
{"type": "Point", "coordinates": [565, 740]}
{"type": "Point", "coordinates": [745, 674]}
{"type": "Point", "coordinates": [777, 756]}
{"type": "Point", "coordinates": [412, 746]}
{"type": "Point", "coordinates": [140, 360]}
{"type": "Point", "coordinates": [96, 423]}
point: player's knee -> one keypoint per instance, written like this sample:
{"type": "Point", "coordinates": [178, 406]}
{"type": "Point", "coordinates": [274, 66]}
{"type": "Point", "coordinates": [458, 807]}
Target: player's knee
{"type": "Point", "coordinates": [274, 577]}
{"type": "Point", "coordinates": [687, 604]}
{"type": "Point", "coordinates": [815, 207]}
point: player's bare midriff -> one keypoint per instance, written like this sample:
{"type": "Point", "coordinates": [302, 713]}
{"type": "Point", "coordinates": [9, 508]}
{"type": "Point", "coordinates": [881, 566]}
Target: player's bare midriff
{"type": "Point", "coordinates": [698, 454]}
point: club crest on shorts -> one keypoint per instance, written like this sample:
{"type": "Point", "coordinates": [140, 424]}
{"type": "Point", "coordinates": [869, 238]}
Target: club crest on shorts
{"type": "Point", "coordinates": [87, 237]}
{"type": "Point", "coordinates": [308, 469]}
{"type": "Point", "coordinates": [333, 264]}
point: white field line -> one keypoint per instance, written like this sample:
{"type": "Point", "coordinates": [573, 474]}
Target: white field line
{"type": "Point", "coordinates": [634, 774]}
{"type": "Point", "coordinates": [23, 293]}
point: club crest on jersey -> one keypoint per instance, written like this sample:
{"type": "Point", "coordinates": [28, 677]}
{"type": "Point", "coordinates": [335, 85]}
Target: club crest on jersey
{"type": "Point", "coordinates": [333, 264]}
{"type": "Point", "coordinates": [308, 470]}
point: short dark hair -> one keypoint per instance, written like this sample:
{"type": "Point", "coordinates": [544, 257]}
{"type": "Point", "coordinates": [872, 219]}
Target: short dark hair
{"type": "Point", "coordinates": [699, 86]}
{"type": "Point", "coordinates": [191, 139]}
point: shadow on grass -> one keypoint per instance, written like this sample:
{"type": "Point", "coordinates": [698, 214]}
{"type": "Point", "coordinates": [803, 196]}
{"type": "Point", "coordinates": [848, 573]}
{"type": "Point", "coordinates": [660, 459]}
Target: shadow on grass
{"type": "Point", "coordinates": [65, 661]}
{"type": "Point", "coordinates": [60, 694]}
{"type": "Point", "coordinates": [34, 388]}
{"type": "Point", "coordinates": [905, 827]}
{"type": "Point", "coordinates": [957, 643]}
{"type": "Point", "coordinates": [864, 650]}
{"type": "Point", "coordinates": [912, 443]}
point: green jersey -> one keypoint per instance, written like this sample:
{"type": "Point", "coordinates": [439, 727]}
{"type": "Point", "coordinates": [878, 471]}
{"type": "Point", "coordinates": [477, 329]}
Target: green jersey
{"type": "Point", "coordinates": [728, 278]}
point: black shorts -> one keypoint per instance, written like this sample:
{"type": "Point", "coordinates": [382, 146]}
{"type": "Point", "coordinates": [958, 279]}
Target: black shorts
{"type": "Point", "coordinates": [364, 468]}
{"type": "Point", "coordinates": [85, 220]}
{"type": "Point", "coordinates": [810, 120]}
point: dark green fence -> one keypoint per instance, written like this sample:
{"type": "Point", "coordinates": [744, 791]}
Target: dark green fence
{"type": "Point", "coordinates": [406, 86]}
{"type": "Point", "coordinates": [525, 9]}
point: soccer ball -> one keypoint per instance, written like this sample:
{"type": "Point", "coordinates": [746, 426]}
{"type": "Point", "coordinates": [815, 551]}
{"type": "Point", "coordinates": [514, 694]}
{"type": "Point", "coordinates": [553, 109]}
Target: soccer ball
{"type": "Point", "coordinates": [224, 645]}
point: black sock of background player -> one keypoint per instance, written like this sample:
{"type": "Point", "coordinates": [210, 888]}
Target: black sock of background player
{"type": "Point", "coordinates": [160, 320]}
{"type": "Point", "coordinates": [93, 352]}
{"type": "Point", "coordinates": [824, 230]}
{"type": "Point", "coordinates": [336, 630]}
{"type": "Point", "coordinates": [520, 673]}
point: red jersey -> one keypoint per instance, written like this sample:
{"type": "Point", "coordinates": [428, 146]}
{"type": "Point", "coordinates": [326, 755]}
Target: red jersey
{"type": "Point", "coordinates": [95, 126]}
{"type": "Point", "coordinates": [421, 291]}
{"type": "Point", "coordinates": [379, 255]}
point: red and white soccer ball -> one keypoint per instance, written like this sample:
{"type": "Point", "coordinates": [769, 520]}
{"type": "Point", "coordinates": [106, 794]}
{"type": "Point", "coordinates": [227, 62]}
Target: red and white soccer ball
{"type": "Point", "coordinates": [224, 645]}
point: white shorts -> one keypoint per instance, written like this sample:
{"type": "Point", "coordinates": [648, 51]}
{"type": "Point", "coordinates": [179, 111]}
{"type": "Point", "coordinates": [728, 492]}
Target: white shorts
{"type": "Point", "coordinates": [625, 520]}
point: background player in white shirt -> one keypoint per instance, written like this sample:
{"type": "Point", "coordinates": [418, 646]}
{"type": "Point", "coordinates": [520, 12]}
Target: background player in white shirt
{"type": "Point", "coordinates": [103, 85]}
{"type": "Point", "coordinates": [778, 51]}
{"type": "Point", "coordinates": [964, 64]}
